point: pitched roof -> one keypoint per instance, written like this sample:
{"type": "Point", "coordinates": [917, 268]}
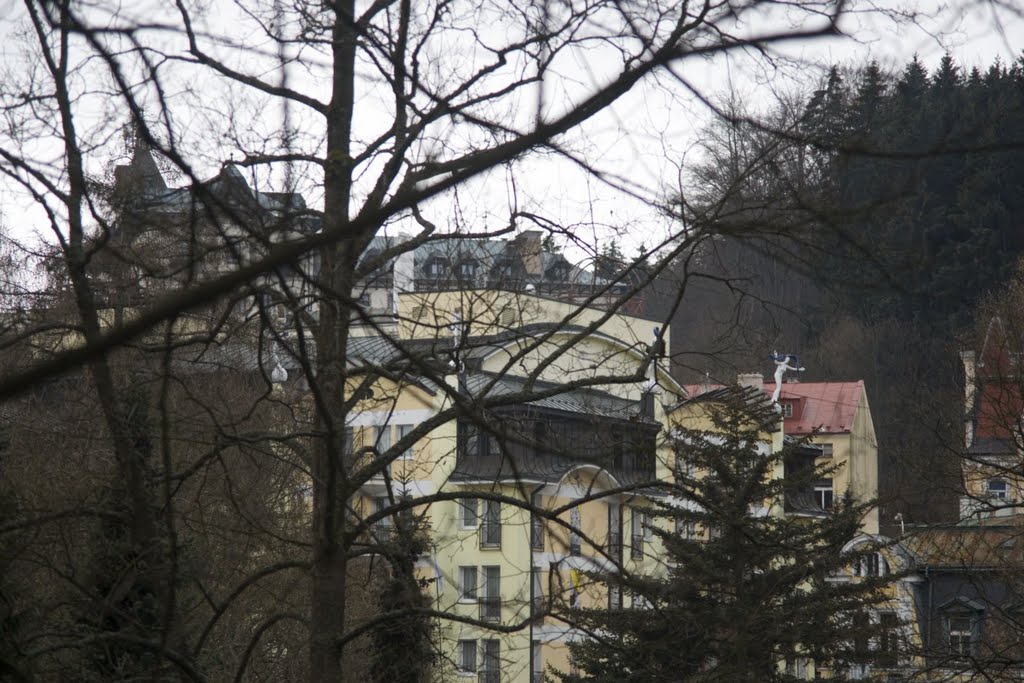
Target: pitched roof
{"type": "Point", "coordinates": [753, 400]}
{"type": "Point", "coordinates": [583, 400]}
{"type": "Point", "coordinates": [827, 406]}
{"type": "Point", "coordinates": [968, 547]}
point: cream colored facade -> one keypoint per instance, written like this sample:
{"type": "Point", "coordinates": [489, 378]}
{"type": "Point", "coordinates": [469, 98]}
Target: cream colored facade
{"type": "Point", "coordinates": [855, 455]}
{"type": "Point", "coordinates": [539, 562]}
{"type": "Point", "coordinates": [568, 344]}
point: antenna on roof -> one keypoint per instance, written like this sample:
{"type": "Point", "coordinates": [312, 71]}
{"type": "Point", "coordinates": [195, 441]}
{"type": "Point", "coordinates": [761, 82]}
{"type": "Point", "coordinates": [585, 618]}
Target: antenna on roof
{"type": "Point", "coordinates": [782, 363]}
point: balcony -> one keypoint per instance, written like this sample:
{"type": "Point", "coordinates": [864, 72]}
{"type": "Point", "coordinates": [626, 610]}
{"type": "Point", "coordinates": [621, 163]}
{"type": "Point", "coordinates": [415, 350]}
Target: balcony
{"type": "Point", "coordinates": [526, 444]}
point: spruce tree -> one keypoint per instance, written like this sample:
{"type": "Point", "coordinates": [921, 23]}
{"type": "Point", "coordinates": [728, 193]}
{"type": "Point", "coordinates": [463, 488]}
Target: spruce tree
{"type": "Point", "coordinates": [753, 587]}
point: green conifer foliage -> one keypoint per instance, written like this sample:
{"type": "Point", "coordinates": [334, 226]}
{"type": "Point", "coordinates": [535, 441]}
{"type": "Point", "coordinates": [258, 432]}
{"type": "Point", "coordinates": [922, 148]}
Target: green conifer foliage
{"type": "Point", "coordinates": [752, 588]}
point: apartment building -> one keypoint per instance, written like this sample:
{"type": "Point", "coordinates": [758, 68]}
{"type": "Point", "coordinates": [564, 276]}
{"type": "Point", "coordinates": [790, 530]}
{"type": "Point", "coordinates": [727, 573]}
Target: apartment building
{"type": "Point", "coordinates": [564, 413]}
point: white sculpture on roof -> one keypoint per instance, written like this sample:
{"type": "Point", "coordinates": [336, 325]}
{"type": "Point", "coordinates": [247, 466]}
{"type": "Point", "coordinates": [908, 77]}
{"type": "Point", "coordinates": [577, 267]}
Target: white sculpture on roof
{"type": "Point", "coordinates": [782, 363]}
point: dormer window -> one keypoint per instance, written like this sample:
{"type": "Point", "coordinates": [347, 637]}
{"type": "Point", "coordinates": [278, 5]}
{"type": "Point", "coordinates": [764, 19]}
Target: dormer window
{"type": "Point", "coordinates": [962, 621]}
{"type": "Point", "coordinates": [504, 269]}
{"type": "Point", "coordinates": [467, 270]}
{"type": "Point", "coordinates": [435, 268]}
{"type": "Point", "coordinates": [558, 272]}
{"type": "Point", "coordinates": [792, 407]}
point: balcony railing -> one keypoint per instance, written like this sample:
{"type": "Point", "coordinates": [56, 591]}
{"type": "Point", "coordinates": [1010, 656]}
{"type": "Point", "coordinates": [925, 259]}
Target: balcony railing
{"type": "Point", "coordinates": [547, 447]}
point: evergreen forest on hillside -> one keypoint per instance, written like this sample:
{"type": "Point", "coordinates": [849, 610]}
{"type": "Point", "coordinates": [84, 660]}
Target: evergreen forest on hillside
{"type": "Point", "coordinates": [895, 204]}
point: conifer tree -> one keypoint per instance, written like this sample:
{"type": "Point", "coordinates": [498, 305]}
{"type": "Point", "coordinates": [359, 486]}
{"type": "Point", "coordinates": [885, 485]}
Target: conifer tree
{"type": "Point", "coordinates": [749, 586]}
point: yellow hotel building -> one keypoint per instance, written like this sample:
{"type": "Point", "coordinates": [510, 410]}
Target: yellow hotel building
{"type": "Point", "coordinates": [557, 408]}
{"type": "Point", "coordinates": [491, 561]}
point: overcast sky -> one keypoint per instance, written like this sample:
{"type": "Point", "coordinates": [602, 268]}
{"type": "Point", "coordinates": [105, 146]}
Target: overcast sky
{"type": "Point", "coordinates": [646, 140]}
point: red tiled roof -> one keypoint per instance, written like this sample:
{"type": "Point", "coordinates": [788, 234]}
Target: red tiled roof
{"type": "Point", "coordinates": [830, 406]}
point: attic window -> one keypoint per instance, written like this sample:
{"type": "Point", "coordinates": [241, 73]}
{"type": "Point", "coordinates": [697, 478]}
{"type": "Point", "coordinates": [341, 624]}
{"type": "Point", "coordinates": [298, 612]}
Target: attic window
{"type": "Point", "coordinates": [787, 409]}
{"type": "Point", "coordinates": [962, 619]}
{"type": "Point", "coordinates": [559, 271]}
{"type": "Point", "coordinates": [467, 270]}
{"type": "Point", "coordinates": [435, 268]}
{"type": "Point", "coordinates": [504, 268]}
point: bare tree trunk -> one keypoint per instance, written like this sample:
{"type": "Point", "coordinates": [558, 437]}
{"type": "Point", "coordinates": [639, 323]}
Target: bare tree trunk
{"type": "Point", "coordinates": [140, 513]}
{"type": "Point", "coordinates": [337, 265]}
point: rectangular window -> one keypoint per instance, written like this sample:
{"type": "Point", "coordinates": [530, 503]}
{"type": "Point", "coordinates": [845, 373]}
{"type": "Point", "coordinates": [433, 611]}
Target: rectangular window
{"type": "Point", "coordinates": [615, 531]}
{"type": "Point", "coordinates": [636, 533]}
{"type": "Point", "coordinates": [490, 671]}
{"type": "Point", "coordinates": [403, 431]}
{"type": "Point", "coordinates": [686, 528]}
{"type": "Point", "coordinates": [648, 526]}
{"type": "Point", "coordinates": [468, 516]}
{"type": "Point", "coordinates": [960, 631]}
{"type": "Point", "coordinates": [826, 450]}
{"type": "Point", "coordinates": [382, 438]}
{"type": "Point", "coordinates": [997, 489]}
{"type": "Point", "coordinates": [888, 634]}
{"type": "Point", "coordinates": [536, 663]}
{"type": "Point", "coordinates": [861, 629]}
{"type": "Point", "coordinates": [349, 446]}
{"type": "Point", "coordinates": [383, 525]}
{"type": "Point", "coordinates": [614, 596]}
{"type": "Point", "coordinates": [787, 409]}
{"type": "Point", "coordinates": [467, 656]}
{"type": "Point", "coordinates": [574, 531]}
{"type": "Point", "coordinates": [823, 494]}
{"type": "Point", "coordinates": [490, 531]}
{"type": "Point", "coordinates": [536, 591]}
{"type": "Point", "coordinates": [490, 603]}
{"type": "Point", "coordinates": [468, 583]}
{"type": "Point", "coordinates": [536, 524]}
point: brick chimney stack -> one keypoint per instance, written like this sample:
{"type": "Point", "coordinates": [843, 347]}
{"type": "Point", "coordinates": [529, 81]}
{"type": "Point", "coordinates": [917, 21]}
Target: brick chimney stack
{"type": "Point", "coordinates": [529, 245]}
{"type": "Point", "coordinates": [751, 379]}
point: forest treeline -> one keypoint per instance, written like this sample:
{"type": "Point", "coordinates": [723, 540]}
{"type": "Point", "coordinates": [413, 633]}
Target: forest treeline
{"type": "Point", "coordinates": [895, 204]}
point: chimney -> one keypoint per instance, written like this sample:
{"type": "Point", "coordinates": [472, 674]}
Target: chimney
{"type": "Point", "coordinates": [528, 245]}
{"type": "Point", "coordinates": [751, 379]}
